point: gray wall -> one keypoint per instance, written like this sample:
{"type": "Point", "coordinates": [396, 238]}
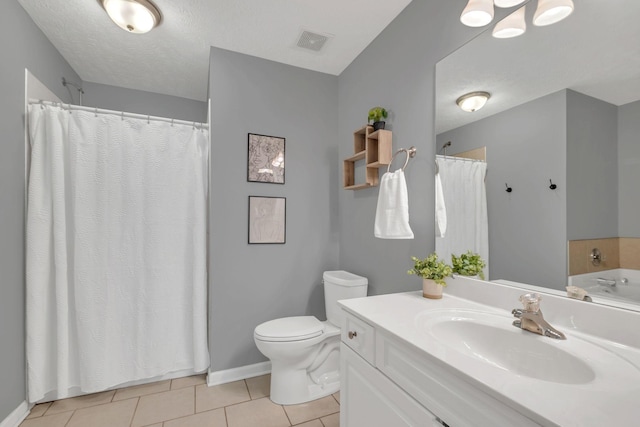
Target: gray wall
{"type": "Point", "coordinates": [527, 227]}
{"type": "Point", "coordinates": [250, 284]}
{"type": "Point", "coordinates": [629, 169]}
{"type": "Point", "coordinates": [396, 71]}
{"type": "Point", "coordinates": [592, 168]}
{"type": "Point", "coordinates": [22, 45]}
{"type": "Point", "coordinates": [142, 102]}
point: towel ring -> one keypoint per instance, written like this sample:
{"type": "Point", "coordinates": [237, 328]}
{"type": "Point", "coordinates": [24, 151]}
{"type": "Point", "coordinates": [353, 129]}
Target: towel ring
{"type": "Point", "coordinates": [411, 153]}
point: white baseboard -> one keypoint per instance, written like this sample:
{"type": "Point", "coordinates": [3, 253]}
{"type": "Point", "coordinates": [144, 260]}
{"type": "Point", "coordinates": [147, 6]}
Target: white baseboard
{"type": "Point", "coordinates": [235, 374]}
{"type": "Point", "coordinates": [17, 416]}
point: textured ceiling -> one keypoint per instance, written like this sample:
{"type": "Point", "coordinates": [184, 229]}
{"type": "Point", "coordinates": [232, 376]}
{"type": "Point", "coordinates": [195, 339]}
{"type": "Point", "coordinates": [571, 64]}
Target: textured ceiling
{"type": "Point", "coordinates": [595, 51]}
{"type": "Point", "coordinates": [173, 59]}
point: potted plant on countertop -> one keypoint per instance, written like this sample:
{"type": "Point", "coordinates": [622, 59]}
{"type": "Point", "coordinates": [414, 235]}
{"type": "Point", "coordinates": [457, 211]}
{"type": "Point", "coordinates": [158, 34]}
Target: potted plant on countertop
{"type": "Point", "coordinates": [468, 264]}
{"type": "Point", "coordinates": [433, 272]}
{"type": "Point", "coordinates": [377, 116]}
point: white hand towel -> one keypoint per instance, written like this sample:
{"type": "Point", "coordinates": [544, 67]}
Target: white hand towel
{"type": "Point", "coordinates": [441, 210]}
{"type": "Point", "coordinates": [392, 213]}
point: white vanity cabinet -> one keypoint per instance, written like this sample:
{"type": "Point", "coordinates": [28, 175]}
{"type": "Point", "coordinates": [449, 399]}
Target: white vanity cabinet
{"type": "Point", "coordinates": [387, 382]}
{"type": "Point", "coordinates": [367, 397]}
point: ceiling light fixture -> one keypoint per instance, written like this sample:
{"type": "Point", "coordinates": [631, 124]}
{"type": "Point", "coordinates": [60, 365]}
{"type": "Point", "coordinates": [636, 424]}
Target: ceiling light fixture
{"type": "Point", "coordinates": [507, 3]}
{"type": "Point", "coordinates": [473, 101]}
{"type": "Point", "coordinates": [552, 11]}
{"type": "Point", "coordinates": [513, 25]}
{"type": "Point", "coordinates": [478, 13]}
{"type": "Point", "coordinates": [134, 16]}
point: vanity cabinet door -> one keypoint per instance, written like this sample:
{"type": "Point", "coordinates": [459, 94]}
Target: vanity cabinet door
{"type": "Point", "coordinates": [368, 398]}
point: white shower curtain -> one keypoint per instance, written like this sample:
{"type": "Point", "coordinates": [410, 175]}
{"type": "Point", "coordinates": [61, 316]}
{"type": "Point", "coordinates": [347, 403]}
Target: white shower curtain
{"type": "Point", "coordinates": [465, 200]}
{"type": "Point", "coordinates": [116, 251]}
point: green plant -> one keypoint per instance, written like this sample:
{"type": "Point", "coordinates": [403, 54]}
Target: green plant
{"type": "Point", "coordinates": [431, 268]}
{"type": "Point", "coordinates": [469, 264]}
{"type": "Point", "coordinates": [376, 114]}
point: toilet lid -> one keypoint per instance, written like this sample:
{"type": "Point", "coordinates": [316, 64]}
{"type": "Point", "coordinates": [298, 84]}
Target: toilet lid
{"type": "Point", "coordinates": [289, 329]}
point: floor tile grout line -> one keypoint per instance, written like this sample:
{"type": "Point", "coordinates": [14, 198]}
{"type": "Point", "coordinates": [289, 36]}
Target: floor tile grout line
{"type": "Point", "coordinates": [133, 417]}
{"type": "Point", "coordinates": [246, 385]}
{"type": "Point", "coordinates": [286, 414]}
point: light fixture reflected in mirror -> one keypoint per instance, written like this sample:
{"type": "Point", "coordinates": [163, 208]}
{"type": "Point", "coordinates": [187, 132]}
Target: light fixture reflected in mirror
{"type": "Point", "coordinates": [478, 13]}
{"type": "Point", "coordinates": [507, 3]}
{"type": "Point", "coordinates": [473, 101]}
{"type": "Point", "coordinates": [513, 25]}
{"type": "Point", "coordinates": [134, 16]}
{"type": "Point", "coordinates": [552, 11]}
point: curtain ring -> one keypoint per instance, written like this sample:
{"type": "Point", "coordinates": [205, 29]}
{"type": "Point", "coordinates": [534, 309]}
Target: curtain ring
{"type": "Point", "coordinates": [42, 104]}
{"type": "Point", "coordinates": [171, 122]}
{"type": "Point", "coordinates": [96, 112]}
{"type": "Point", "coordinates": [148, 120]}
{"type": "Point", "coordinates": [122, 115]}
{"type": "Point", "coordinates": [194, 125]}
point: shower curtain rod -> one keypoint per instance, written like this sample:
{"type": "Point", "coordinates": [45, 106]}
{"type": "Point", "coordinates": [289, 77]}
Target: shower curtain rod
{"type": "Point", "coordinates": [463, 159]}
{"type": "Point", "coordinates": [122, 114]}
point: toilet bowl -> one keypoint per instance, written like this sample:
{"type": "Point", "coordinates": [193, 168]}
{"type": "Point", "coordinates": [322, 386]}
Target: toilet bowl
{"type": "Point", "coordinates": [304, 351]}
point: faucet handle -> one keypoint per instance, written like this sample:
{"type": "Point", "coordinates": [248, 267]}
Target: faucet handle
{"type": "Point", "coordinates": [531, 302]}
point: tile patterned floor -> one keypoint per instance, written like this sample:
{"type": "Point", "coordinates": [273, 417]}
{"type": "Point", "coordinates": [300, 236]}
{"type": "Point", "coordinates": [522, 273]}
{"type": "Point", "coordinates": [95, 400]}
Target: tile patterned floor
{"type": "Point", "coordinates": [186, 402]}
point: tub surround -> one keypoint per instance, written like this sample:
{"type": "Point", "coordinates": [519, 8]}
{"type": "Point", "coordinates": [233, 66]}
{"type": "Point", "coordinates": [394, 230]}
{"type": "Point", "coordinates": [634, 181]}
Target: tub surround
{"type": "Point", "coordinates": [594, 378]}
{"type": "Point", "coordinates": [617, 252]}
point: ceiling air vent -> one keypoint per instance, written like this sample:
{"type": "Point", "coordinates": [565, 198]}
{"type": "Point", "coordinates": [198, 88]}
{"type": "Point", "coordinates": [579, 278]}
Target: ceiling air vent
{"type": "Point", "coordinates": [312, 41]}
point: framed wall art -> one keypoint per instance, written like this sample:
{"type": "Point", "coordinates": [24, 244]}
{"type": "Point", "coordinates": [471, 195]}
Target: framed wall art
{"type": "Point", "coordinates": [265, 160]}
{"type": "Point", "coordinates": [267, 219]}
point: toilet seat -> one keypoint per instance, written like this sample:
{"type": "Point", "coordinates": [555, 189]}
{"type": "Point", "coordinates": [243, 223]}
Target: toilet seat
{"type": "Point", "coordinates": [285, 329]}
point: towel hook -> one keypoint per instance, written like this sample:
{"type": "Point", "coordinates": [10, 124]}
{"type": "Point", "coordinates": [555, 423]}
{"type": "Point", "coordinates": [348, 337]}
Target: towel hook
{"type": "Point", "coordinates": [411, 153]}
{"type": "Point", "coordinates": [552, 186]}
{"type": "Point", "coordinates": [509, 189]}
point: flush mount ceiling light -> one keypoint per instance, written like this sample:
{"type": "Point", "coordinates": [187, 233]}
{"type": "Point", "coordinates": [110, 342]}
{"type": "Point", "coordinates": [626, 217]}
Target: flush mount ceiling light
{"type": "Point", "coordinates": [507, 3]}
{"type": "Point", "coordinates": [478, 13]}
{"type": "Point", "coordinates": [511, 26]}
{"type": "Point", "coordinates": [473, 101]}
{"type": "Point", "coordinates": [134, 16]}
{"type": "Point", "coordinates": [552, 11]}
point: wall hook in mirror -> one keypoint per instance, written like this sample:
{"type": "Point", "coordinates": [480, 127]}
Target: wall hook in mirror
{"type": "Point", "coordinates": [552, 186]}
{"type": "Point", "coordinates": [509, 189]}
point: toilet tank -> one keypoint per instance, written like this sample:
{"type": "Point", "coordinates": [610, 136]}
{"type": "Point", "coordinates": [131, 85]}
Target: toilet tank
{"type": "Point", "coordinates": [341, 285]}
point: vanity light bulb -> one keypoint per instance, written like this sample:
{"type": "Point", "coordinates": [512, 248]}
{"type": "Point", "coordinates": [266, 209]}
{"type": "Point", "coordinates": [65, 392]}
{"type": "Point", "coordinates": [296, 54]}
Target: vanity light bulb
{"type": "Point", "coordinates": [507, 3]}
{"type": "Point", "coordinates": [552, 11]}
{"type": "Point", "coordinates": [513, 25]}
{"type": "Point", "coordinates": [478, 13]}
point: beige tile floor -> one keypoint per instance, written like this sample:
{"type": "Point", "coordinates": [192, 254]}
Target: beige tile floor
{"type": "Point", "coordinates": [186, 402]}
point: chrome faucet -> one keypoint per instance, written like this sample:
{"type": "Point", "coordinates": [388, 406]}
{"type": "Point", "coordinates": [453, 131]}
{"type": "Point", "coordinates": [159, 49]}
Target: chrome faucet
{"type": "Point", "coordinates": [530, 318]}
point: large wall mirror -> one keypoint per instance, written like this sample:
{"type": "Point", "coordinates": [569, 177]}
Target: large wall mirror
{"type": "Point", "coordinates": [562, 130]}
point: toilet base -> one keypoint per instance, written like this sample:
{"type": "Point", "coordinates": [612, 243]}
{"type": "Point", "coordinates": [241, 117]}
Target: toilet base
{"type": "Point", "coordinates": [296, 387]}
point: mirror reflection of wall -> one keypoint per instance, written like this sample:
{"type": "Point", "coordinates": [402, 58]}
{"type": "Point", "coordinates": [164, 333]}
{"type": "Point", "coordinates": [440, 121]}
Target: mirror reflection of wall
{"type": "Point", "coordinates": [564, 107]}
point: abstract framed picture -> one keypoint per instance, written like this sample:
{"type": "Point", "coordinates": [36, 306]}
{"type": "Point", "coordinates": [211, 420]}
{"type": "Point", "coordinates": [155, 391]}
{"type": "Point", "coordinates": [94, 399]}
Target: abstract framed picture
{"type": "Point", "coordinates": [265, 160]}
{"type": "Point", "coordinates": [267, 220]}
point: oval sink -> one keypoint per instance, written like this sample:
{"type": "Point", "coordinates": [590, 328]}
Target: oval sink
{"type": "Point", "coordinates": [493, 340]}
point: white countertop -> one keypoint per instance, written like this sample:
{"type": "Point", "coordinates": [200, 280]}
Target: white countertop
{"type": "Point", "coordinates": [611, 398]}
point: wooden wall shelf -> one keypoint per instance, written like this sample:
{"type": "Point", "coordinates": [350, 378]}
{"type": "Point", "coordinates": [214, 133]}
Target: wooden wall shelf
{"type": "Point", "coordinates": [375, 148]}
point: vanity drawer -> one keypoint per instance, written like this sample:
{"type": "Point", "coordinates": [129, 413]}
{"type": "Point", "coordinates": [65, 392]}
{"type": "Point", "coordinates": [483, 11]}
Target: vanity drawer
{"type": "Point", "coordinates": [454, 400]}
{"type": "Point", "coordinates": [360, 336]}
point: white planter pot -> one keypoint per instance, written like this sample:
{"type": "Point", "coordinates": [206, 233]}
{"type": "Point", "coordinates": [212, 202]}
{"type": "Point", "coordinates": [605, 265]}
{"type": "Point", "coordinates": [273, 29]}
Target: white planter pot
{"type": "Point", "coordinates": [431, 289]}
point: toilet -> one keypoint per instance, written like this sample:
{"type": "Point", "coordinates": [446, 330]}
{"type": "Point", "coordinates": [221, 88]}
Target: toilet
{"type": "Point", "coordinates": [305, 352]}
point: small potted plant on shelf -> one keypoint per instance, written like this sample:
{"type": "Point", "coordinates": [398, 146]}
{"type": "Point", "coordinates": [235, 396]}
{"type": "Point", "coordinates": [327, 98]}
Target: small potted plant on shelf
{"type": "Point", "coordinates": [377, 116]}
{"type": "Point", "coordinates": [468, 264]}
{"type": "Point", "coordinates": [433, 272]}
